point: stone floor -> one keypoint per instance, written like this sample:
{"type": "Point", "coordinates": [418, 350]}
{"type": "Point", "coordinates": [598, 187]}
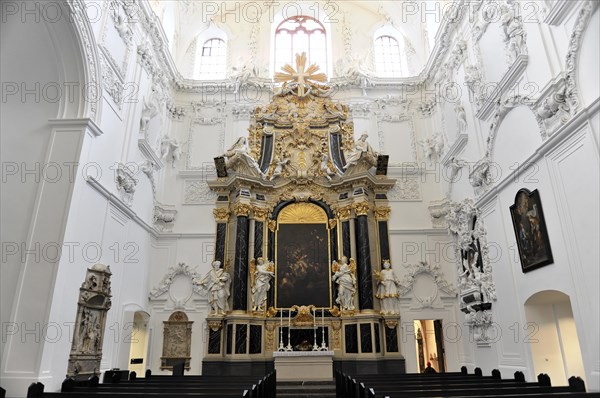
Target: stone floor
{"type": "Point", "coordinates": [306, 389]}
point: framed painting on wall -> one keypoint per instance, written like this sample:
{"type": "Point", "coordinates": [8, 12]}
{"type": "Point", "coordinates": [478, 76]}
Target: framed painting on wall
{"type": "Point", "coordinates": [530, 230]}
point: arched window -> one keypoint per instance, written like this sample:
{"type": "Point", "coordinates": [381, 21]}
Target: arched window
{"type": "Point", "coordinates": [300, 34]}
{"type": "Point", "coordinates": [387, 57]}
{"type": "Point", "coordinates": [213, 60]}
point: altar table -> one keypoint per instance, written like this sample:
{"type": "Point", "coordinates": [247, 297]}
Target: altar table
{"type": "Point", "coordinates": [304, 365]}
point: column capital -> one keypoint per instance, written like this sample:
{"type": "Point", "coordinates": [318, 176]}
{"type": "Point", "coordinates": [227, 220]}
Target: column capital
{"type": "Point", "coordinates": [259, 213]}
{"type": "Point", "coordinates": [382, 213]}
{"type": "Point", "coordinates": [361, 208]}
{"type": "Point", "coordinates": [221, 214]}
{"type": "Point", "coordinates": [242, 209]}
{"type": "Point", "coordinates": [344, 212]}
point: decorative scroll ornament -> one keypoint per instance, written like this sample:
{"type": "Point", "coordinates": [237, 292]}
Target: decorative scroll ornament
{"type": "Point", "coordinates": [406, 284]}
{"type": "Point", "coordinates": [221, 214]}
{"type": "Point", "coordinates": [164, 216]}
{"type": "Point", "coordinates": [301, 76]}
{"type": "Point", "coordinates": [167, 280]}
{"type": "Point", "coordinates": [126, 183]}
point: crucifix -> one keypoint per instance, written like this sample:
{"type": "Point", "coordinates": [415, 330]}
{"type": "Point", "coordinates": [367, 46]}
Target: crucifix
{"type": "Point", "coordinates": [302, 75]}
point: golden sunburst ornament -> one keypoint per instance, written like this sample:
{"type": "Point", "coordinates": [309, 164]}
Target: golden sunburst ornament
{"type": "Point", "coordinates": [302, 75]}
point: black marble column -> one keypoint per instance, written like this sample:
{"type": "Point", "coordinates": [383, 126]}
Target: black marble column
{"type": "Point", "coordinates": [346, 251]}
{"type": "Point", "coordinates": [258, 238]}
{"type": "Point", "coordinates": [240, 273]}
{"type": "Point", "coordinates": [220, 242]}
{"type": "Point", "coordinates": [384, 241]}
{"type": "Point", "coordinates": [363, 264]}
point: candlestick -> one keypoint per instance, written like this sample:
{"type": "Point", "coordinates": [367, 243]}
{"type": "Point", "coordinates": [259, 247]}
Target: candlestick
{"type": "Point", "coordinates": [281, 348]}
{"type": "Point", "coordinates": [289, 344]}
{"type": "Point", "coordinates": [315, 348]}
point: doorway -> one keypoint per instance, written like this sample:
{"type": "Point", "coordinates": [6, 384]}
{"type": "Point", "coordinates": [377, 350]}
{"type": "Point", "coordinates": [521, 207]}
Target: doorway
{"type": "Point", "coordinates": [551, 334]}
{"type": "Point", "coordinates": [429, 340]}
{"type": "Point", "coordinates": [138, 351]}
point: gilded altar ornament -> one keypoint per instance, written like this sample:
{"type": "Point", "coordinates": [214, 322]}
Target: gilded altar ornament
{"type": "Point", "coordinates": [361, 208]}
{"type": "Point", "coordinates": [343, 213]}
{"type": "Point", "coordinates": [305, 315]}
{"type": "Point", "coordinates": [382, 213]}
{"type": "Point", "coordinates": [335, 311]}
{"type": "Point", "coordinates": [260, 214]}
{"type": "Point", "coordinates": [302, 213]}
{"type": "Point", "coordinates": [221, 214]}
{"type": "Point", "coordinates": [215, 325]}
{"type": "Point", "coordinates": [242, 209]}
{"type": "Point", "coordinates": [345, 277]}
{"type": "Point", "coordinates": [301, 76]}
{"type": "Point", "coordinates": [391, 323]}
{"type": "Point", "coordinates": [261, 274]}
{"type": "Point", "coordinates": [271, 312]}
{"type": "Point", "coordinates": [332, 223]}
{"type": "Point", "coordinates": [272, 224]}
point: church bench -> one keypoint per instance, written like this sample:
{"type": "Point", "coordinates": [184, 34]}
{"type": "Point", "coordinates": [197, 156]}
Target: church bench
{"type": "Point", "coordinates": [467, 392]}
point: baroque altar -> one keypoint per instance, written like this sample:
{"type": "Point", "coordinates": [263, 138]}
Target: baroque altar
{"type": "Point", "coordinates": [301, 237]}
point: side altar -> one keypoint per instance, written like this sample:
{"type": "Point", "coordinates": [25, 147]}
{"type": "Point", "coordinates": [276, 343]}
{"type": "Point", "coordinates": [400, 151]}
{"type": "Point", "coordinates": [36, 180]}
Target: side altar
{"type": "Point", "coordinates": [302, 244]}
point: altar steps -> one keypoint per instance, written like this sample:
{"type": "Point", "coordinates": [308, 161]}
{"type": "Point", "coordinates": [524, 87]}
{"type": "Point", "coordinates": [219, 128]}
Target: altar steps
{"type": "Point", "coordinates": [306, 389]}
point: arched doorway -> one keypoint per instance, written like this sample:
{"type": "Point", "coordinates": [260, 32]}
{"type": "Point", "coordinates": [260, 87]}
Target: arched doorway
{"type": "Point", "coordinates": [552, 336]}
{"type": "Point", "coordinates": [430, 344]}
{"type": "Point", "coordinates": [138, 349]}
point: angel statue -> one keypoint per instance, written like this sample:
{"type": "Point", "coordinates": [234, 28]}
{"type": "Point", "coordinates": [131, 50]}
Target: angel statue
{"type": "Point", "coordinates": [279, 165]}
{"type": "Point", "coordinates": [170, 149]}
{"type": "Point", "coordinates": [345, 277]}
{"type": "Point", "coordinates": [217, 282]}
{"type": "Point", "coordinates": [388, 289]}
{"type": "Point", "coordinates": [261, 275]}
{"type": "Point", "coordinates": [325, 169]}
{"type": "Point", "coordinates": [361, 148]}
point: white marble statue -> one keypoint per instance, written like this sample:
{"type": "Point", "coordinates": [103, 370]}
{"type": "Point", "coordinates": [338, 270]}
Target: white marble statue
{"type": "Point", "coordinates": [170, 150]}
{"type": "Point", "coordinates": [346, 280]}
{"type": "Point", "coordinates": [388, 290]}
{"type": "Point", "coordinates": [262, 284]}
{"type": "Point", "coordinates": [217, 282]}
{"type": "Point", "coordinates": [461, 117]}
{"type": "Point", "coordinates": [361, 148]}
{"type": "Point", "coordinates": [325, 169]}
{"type": "Point", "coordinates": [238, 158]}
{"type": "Point", "coordinates": [433, 147]}
{"type": "Point", "coordinates": [151, 107]}
{"type": "Point", "coordinates": [514, 34]}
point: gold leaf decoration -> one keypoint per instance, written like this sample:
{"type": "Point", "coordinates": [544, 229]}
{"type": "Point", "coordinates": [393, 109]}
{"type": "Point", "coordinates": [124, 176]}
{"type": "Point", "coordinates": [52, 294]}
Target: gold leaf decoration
{"type": "Point", "coordinates": [302, 213]}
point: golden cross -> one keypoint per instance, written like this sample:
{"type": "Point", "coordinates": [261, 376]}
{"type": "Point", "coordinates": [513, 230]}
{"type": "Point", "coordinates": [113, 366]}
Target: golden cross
{"type": "Point", "coordinates": [301, 74]}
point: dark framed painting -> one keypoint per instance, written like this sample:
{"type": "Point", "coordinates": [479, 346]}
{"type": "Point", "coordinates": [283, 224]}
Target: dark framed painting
{"type": "Point", "coordinates": [302, 270]}
{"type": "Point", "coordinates": [530, 230]}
